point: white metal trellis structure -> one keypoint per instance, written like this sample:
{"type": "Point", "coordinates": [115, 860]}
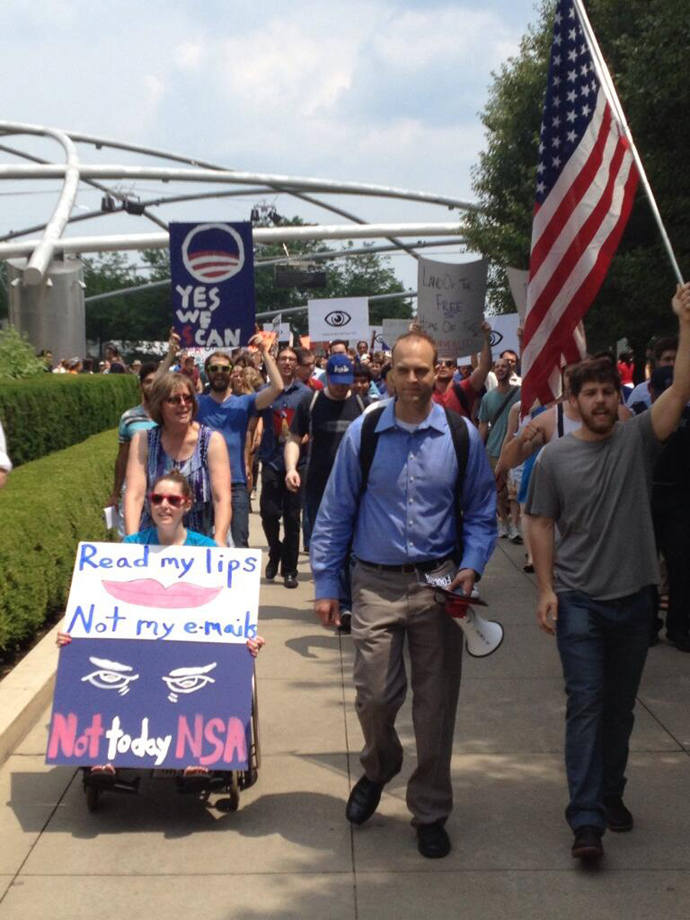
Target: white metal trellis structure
{"type": "Point", "coordinates": [39, 252]}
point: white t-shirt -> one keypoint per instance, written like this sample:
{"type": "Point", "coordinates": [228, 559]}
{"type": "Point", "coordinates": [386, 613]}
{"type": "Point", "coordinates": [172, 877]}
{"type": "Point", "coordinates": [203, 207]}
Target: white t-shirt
{"type": "Point", "coordinates": [5, 462]}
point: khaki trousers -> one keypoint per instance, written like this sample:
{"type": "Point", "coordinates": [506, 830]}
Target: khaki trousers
{"type": "Point", "coordinates": [388, 607]}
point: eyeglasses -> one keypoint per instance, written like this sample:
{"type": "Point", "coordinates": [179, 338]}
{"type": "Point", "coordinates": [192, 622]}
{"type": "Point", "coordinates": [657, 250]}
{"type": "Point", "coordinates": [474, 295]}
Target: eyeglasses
{"type": "Point", "coordinates": [180, 400]}
{"type": "Point", "coordinates": [219, 368]}
{"type": "Point", "coordinates": [175, 501]}
{"type": "Point", "coordinates": [447, 363]}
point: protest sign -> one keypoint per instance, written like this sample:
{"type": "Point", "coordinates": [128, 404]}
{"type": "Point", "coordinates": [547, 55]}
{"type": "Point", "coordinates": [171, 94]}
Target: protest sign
{"type": "Point", "coordinates": [157, 673]}
{"type": "Point", "coordinates": [281, 329]}
{"type": "Point", "coordinates": [375, 339]}
{"type": "Point", "coordinates": [450, 304]}
{"type": "Point", "coordinates": [391, 329]}
{"type": "Point", "coordinates": [339, 318]}
{"type": "Point", "coordinates": [504, 333]}
{"type": "Point", "coordinates": [212, 276]}
{"type": "Point", "coordinates": [518, 280]}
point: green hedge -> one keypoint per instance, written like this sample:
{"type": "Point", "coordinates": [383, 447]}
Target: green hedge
{"type": "Point", "coordinates": [49, 413]}
{"type": "Point", "coordinates": [46, 508]}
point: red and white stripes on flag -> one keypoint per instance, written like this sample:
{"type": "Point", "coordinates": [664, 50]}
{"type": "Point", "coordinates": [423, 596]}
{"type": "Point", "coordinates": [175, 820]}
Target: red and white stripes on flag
{"type": "Point", "coordinates": [586, 199]}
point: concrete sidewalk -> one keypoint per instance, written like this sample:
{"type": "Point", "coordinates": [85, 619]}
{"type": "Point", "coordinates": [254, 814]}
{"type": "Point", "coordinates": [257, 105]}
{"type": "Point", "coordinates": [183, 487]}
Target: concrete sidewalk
{"type": "Point", "coordinates": [289, 852]}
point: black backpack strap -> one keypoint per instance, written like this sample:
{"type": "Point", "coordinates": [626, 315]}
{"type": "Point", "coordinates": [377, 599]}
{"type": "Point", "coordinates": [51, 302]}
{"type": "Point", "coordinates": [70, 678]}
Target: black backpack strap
{"type": "Point", "coordinates": [559, 413]}
{"type": "Point", "coordinates": [367, 447]}
{"type": "Point", "coordinates": [461, 442]}
{"type": "Point", "coordinates": [462, 398]}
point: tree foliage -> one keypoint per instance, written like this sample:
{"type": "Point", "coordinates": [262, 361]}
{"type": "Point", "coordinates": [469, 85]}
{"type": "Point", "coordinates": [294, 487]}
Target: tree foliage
{"type": "Point", "coordinates": [147, 316]}
{"type": "Point", "coordinates": [17, 357]}
{"type": "Point", "coordinates": [645, 46]}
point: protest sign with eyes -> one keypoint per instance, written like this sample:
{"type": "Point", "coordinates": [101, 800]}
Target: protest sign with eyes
{"type": "Point", "coordinates": [344, 318]}
{"type": "Point", "coordinates": [158, 674]}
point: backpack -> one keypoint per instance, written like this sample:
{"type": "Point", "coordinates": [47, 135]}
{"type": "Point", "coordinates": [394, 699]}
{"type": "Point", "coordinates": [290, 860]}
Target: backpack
{"type": "Point", "coordinates": [461, 442]}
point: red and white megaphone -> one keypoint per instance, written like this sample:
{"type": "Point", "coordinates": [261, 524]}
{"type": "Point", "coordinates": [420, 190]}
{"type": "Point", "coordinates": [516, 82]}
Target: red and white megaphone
{"type": "Point", "coordinates": [482, 637]}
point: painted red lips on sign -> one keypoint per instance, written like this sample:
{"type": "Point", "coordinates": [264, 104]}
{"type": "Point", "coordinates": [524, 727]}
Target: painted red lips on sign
{"type": "Point", "coordinates": [147, 592]}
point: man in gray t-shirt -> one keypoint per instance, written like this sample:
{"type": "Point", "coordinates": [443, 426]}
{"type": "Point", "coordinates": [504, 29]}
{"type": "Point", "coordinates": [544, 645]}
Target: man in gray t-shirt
{"type": "Point", "coordinates": [594, 487]}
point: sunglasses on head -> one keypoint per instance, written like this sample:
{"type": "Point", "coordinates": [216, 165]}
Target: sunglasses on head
{"type": "Point", "coordinates": [447, 363]}
{"type": "Point", "coordinates": [175, 501]}
{"type": "Point", "coordinates": [219, 368]}
{"type": "Point", "coordinates": [180, 400]}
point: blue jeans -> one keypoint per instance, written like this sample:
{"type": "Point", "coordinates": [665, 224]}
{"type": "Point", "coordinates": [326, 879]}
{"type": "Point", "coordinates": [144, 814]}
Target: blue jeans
{"type": "Point", "coordinates": [603, 647]}
{"type": "Point", "coordinates": [239, 526]}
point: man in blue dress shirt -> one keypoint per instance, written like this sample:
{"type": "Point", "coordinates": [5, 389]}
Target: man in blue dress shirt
{"type": "Point", "coordinates": [403, 532]}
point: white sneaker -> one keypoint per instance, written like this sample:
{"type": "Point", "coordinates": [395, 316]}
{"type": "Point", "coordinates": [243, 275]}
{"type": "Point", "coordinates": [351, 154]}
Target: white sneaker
{"type": "Point", "coordinates": [502, 529]}
{"type": "Point", "coordinates": [514, 534]}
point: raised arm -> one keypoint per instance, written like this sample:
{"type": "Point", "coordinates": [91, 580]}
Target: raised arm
{"type": "Point", "coordinates": [169, 359]}
{"type": "Point", "coordinates": [666, 411]}
{"type": "Point", "coordinates": [266, 396]}
{"type": "Point", "coordinates": [479, 374]}
{"type": "Point", "coordinates": [120, 472]}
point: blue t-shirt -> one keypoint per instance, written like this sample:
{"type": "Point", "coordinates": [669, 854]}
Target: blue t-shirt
{"type": "Point", "coordinates": [150, 538]}
{"type": "Point", "coordinates": [230, 418]}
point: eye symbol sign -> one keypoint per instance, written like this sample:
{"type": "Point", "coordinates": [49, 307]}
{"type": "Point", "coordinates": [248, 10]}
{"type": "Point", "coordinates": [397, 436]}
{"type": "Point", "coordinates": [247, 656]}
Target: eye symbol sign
{"type": "Point", "coordinates": [496, 338]}
{"type": "Point", "coordinates": [187, 680]}
{"type": "Point", "coordinates": [110, 675]}
{"type": "Point", "coordinates": [337, 318]}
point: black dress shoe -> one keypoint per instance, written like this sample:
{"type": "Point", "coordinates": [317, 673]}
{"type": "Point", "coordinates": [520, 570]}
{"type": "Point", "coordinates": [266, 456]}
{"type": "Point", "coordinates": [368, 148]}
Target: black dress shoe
{"type": "Point", "coordinates": [271, 570]}
{"type": "Point", "coordinates": [364, 800]}
{"type": "Point", "coordinates": [345, 627]}
{"type": "Point", "coordinates": [433, 841]}
{"type": "Point", "coordinates": [618, 817]}
{"type": "Point", "coordinates": [290, 581]}
{"type": "Point", "coordinates": [587, 843]}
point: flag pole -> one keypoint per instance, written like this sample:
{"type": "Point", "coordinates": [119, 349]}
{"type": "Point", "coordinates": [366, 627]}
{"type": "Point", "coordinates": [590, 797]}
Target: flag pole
{"type": "Point", "coordinates": [613, 100]}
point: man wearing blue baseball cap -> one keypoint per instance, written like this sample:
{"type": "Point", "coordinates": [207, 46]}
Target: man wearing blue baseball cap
{"type": "Point", "coordinates": [324, 416]}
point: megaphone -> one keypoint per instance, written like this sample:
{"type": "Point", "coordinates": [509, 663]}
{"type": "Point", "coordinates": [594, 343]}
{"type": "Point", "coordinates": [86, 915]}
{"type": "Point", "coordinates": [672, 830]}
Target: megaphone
{"type": "Point", "coordinates": [482, 637]}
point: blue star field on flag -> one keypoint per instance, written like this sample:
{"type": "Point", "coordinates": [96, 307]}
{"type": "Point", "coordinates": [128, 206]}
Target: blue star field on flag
{"type": "Point", "coordinates": [571, 94]}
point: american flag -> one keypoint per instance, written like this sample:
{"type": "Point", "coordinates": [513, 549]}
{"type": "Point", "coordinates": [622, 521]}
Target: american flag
{"type": "Point", "coordinates": [586, 182]}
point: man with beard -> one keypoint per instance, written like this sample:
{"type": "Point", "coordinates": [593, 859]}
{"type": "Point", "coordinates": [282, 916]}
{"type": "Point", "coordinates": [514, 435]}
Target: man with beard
{"type": "Point", "coordinates": [230, 416]}
{"type": "Point", "coordinates": [594, 485]}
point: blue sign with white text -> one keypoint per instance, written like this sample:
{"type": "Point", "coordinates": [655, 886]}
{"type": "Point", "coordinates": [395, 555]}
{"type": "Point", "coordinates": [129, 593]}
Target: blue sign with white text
{"type": "Point", "coordinates": [212, 274]}
{"type": "Point", "coordinates": [153, 705]}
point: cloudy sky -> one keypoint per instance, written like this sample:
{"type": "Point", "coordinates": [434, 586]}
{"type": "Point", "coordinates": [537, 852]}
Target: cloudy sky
{"type": "Point", "coordinates": [382, 91]}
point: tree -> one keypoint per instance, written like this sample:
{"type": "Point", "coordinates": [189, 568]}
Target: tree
{"type": "Point", "coordinates": [146, 316]}
{"type": "Point", "coordinates": [645, 46]}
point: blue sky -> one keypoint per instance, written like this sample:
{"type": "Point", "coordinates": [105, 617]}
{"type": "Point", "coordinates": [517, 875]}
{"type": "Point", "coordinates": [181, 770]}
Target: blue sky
{"type": "Point", "coordinates": [382, 91]}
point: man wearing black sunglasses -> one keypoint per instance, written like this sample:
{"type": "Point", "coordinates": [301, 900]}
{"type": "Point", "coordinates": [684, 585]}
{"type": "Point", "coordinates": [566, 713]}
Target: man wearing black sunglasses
{"type": "Point", "coordinates": [230, 415]}
{"type": "Point", "coordinates": [460, 395]}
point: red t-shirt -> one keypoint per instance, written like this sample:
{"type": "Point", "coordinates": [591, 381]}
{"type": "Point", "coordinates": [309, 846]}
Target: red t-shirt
{"type": "Point", "coordinates": [314, 384]}
{"type": "Point", "coordinates": [626, 371]}
{"type": "Point", "coordinates": [451, 400]}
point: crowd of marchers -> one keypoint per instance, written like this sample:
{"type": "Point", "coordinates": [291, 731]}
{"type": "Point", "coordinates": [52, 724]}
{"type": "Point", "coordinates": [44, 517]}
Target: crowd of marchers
{"type": "Point", "coordinates": [398, 472]}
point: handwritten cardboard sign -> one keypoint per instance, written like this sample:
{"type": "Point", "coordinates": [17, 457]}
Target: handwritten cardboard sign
{"type": "Point", "coordinates": [339, 318]}
{"type": "Point", "coordinates": [450, 304]}
{"type": "Point", "coordinates": [212, 277]}
{"type": "Point", "coordinates": [158, 673]}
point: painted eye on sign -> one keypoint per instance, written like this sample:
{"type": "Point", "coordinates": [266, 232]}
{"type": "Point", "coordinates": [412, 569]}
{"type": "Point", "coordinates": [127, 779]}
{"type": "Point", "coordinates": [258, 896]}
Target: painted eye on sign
{"type": "Point", "coordinates": [338, 318]}
{"type": "Point", "coordinates": [496, 338]}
